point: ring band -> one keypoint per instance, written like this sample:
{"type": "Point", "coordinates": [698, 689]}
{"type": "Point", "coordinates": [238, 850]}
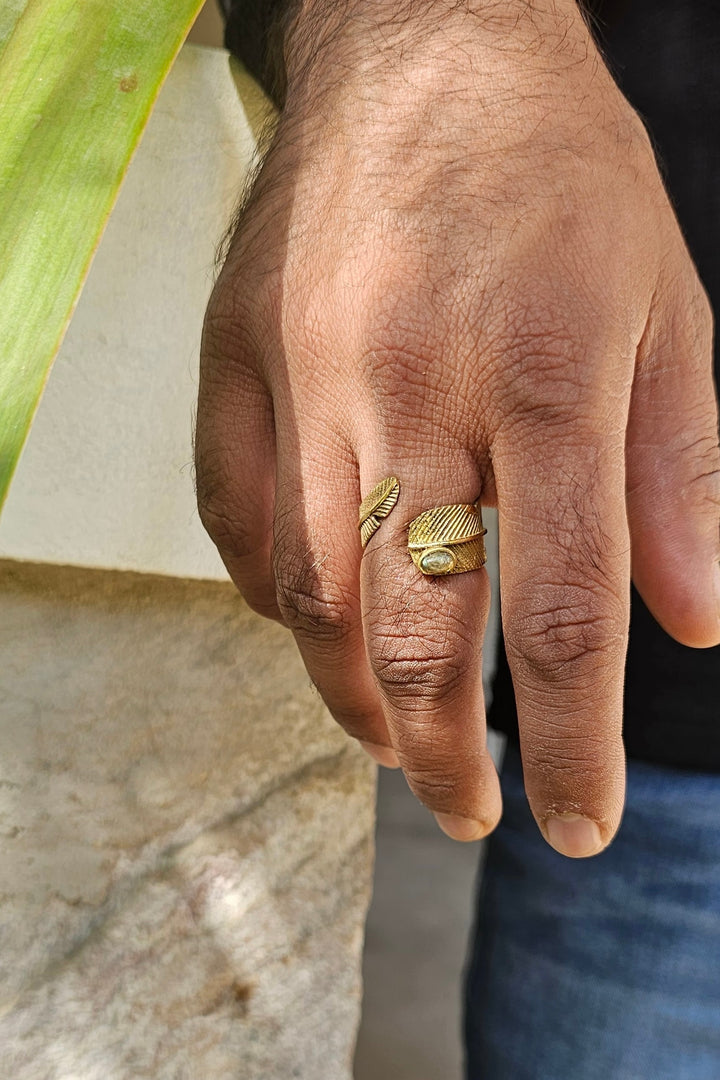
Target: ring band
{"type": "Point", "coordinates": [376, 506]}
{"type": "Point", "coordinates": [448, 540]}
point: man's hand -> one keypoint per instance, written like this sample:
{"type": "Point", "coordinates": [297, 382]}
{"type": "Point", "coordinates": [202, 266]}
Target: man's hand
{"type": "Point", "coordinates": [459, 267]}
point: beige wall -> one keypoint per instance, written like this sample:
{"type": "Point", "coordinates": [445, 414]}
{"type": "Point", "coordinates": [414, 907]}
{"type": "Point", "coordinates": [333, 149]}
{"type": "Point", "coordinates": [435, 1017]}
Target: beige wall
{"type": "Point", "coordinates": [106, 478]}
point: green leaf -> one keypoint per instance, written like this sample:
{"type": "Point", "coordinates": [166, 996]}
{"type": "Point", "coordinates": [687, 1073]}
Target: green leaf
{"type": "Point", "coordinates": [78, 79]}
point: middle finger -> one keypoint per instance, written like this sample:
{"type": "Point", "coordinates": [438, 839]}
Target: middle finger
{"type": "Point", "coordinates": [424, 640]}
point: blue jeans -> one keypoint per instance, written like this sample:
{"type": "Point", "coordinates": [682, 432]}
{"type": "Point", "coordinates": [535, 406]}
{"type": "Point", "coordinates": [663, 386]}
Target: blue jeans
{"type": "Point", "coordinates": [605, 968]}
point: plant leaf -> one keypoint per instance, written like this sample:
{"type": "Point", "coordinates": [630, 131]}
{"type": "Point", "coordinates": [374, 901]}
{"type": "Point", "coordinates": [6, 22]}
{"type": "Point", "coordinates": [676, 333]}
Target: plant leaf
{"type": "Point", "coordinates": [78, 79]}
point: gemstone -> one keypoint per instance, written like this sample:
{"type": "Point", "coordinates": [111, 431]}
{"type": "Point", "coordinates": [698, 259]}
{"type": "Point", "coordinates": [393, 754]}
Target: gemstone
{"type": "Point", "coordinates": [437, 561]}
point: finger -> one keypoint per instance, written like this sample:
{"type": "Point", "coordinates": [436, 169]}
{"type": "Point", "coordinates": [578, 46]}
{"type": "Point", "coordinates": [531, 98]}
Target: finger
{"type": "Point", "coordinates": [673, 465]}
{"type": "Point", "coordinates": [565, 583]}
{"type": "Point", "coordinates": [316, 560]}
{"type": "Point", "coordinates": [235, 463]}
{"type": "Point", "coordinates": [424, 639]}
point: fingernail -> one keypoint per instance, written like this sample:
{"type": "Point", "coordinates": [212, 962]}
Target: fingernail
{"type": "Point", "coordinates": [460, 828]}
{"type": "Point", "coordinates": [384, 755]}
{"type": "Point", "coordinates": [573, 835]}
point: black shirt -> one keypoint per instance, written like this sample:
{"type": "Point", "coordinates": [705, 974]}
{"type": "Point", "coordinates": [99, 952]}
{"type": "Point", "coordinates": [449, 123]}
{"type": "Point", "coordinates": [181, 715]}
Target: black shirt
{"type": "Point", "coordinates": [665, 55]}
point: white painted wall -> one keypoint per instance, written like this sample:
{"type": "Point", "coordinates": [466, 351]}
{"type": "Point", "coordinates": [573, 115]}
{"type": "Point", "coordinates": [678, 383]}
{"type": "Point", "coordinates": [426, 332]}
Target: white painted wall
{"type": "Point", "coordinates": [106, 476]}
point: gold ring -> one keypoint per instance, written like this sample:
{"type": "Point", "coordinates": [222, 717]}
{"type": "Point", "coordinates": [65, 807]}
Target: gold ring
{"type": "Point", "coordinates": [448, 540]}
{"type": "Point", "coordinates": [376, 506]}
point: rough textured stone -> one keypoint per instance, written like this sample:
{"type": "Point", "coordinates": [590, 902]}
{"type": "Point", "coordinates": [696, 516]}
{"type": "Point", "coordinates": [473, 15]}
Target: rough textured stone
{"type": "Point", "coordinates": [438, 561]}
{"type": "Point", "coordinates": [185, 839]}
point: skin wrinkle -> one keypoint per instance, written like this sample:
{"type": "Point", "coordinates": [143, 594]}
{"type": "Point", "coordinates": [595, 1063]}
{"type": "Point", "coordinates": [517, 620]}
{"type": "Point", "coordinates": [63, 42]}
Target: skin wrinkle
{"type": "Point", "coordinates": [402, 611]}
{"type": "Point", "coordinates": [561, 649]}
{"type": "Point", "coordinates": [418, 680]}
{"type": "Point", "coordinates": [402, 638]}
{"type": "Point", "coordinates": [418, 667]}
{"type": "Point", "coordinates": [306, 608]}
{"type": "Point", "coordinates": [444, 267]}
{"type": "Point", "coordinates": [228, 332]}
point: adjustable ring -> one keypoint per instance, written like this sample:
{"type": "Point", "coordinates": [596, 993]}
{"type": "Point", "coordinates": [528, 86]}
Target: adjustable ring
{"type": "Point", "coordinates": [448, 540]}
{"type": "Point", "coordinates": [376, 506]}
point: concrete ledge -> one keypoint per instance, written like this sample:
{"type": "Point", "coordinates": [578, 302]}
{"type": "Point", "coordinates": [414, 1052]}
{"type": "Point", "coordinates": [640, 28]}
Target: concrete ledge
{"type": "Point", "coordinates": [185, 838]}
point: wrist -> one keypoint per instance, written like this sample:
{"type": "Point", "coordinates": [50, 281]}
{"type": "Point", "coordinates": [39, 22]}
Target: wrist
{"type": "Point", "coordinates": [327, 41]}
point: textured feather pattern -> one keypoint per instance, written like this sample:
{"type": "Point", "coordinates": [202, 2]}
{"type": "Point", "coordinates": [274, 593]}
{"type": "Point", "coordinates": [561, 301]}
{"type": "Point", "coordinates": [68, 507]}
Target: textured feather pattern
{"type": "Point", "coordinates": [376, 506]}
{"type": "Point", "coordinates": [448, 540]}
{"type": "Point", "coordinates": [368, 529]}
{"type": "Point", "coordinates": [445, 525]}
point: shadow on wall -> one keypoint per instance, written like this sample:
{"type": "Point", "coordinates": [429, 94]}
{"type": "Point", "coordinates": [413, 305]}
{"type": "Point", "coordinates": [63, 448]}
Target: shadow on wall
{"type": "Point", "coordinates": [208, 28]}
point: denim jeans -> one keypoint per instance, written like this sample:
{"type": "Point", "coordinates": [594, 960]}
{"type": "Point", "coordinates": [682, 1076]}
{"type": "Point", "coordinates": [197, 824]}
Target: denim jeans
{"type": "Point", "coordinates": [606, 968]}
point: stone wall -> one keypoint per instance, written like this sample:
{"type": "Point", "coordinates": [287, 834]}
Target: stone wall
{"type": "Point", "coordinates": [185, 838]}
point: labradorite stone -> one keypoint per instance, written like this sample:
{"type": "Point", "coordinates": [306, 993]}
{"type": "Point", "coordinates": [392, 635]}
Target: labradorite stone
{"type": "Point", "coordinates": [439, 561]}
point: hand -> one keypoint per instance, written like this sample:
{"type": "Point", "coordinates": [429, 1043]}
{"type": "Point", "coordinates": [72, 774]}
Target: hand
{"type": "Point", "coordinates": [458, 266]}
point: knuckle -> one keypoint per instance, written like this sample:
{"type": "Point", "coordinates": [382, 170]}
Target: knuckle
{"type": "Point", "coordinates": [353, 719]}
{"type": "Point", "coordinates": [404, 357]}
{"type": "Point", "coordinates": [263, 604]}
{"type": "Point", "coordinates": [216, 506]}
{"type": "Point", "coordinates": [631, 130]}
{"type": "Point", "coordinates": [688, 306]}
{"type": "Point", "coordinates": [548, 387]}
{"type": "Point", "coordinates": [564, 640]}
{"type": "Point", "coordinates": [391, 365]}
{"type": "Point", "coordinates": [405, 382]}
{"type": "Point", "coordinates": [227, 529]}
{"type": "Point", "coordinates": [311, 603]}
{"type": "Point", "coordinates": [418, 669]}
{"type": "Point", "coordinates": [237, 323]}
{"type": "Point", "coordinates": [305, 325]}
{"type": "Point", "coordinates": [226, 335]}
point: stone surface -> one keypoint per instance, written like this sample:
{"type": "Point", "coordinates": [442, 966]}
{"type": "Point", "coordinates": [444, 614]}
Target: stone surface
{"type": "Point", "coordinates": [185, 839]}
{"type": "Point", "coordinates": [437, 561]}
